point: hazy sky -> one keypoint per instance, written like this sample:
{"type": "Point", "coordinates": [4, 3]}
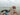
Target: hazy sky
{"type": "Point", "coordinates": [7, 3]}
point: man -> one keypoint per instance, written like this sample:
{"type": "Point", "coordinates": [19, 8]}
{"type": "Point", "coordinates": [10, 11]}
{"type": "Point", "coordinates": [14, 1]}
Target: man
{"type": "Point", "coordinates": [4, 12]}
{"type": "Point", "coordinates": [12, 10]}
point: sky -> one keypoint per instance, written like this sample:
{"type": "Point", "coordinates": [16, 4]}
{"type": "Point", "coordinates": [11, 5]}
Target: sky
{"type": "Point", "coordinates": [7, 3]}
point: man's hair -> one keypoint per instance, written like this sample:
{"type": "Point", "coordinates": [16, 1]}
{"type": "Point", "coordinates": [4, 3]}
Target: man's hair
{"type": "Point", "coordinates": [4, 10]}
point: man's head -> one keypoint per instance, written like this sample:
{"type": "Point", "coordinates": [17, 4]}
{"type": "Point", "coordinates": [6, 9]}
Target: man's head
{"type": "Point", "coordinates": [14, 8]}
